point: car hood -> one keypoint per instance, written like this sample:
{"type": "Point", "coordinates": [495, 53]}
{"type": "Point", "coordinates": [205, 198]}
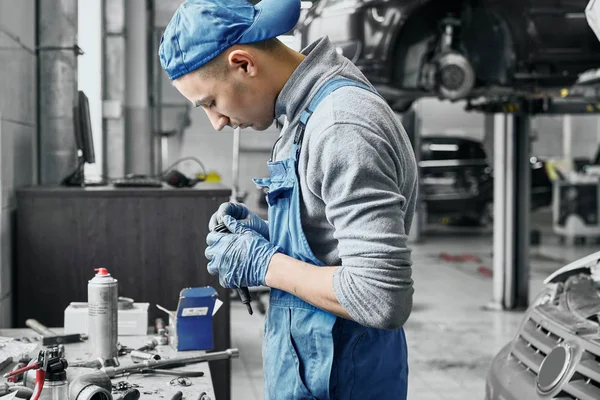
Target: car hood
{"type": "Point", "coordinates": [583, 265]}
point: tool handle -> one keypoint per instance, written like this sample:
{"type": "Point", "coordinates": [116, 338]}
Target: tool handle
{"type": "Point", "coordinates": [178, 396]}
{"type": "Point", "coordinates": [179, 361]}
{"type": "Point", "coordinates": [40, 378]}
{"type": "Point", "coordinates": [39, 328]}
{"type": "Point", "coordinates": [243, 292]}
{"type": "Point", "coordinates": [21, 370]}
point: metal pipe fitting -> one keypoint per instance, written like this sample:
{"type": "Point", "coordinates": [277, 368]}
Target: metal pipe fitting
{"type": "Point", "coordinates": [90, 386]}
{"type": "Point", "coordinates": [141, 356]}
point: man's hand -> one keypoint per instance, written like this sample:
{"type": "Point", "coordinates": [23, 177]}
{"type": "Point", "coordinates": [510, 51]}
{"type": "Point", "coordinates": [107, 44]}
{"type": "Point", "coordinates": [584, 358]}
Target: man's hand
{"type": "Point", "coordinates": [240, 258]}
{"type": "Point", "coordinates": [243, 215]}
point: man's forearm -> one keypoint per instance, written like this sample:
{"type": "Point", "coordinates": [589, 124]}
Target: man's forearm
{"type": "Point", "coordinates": [310, 283]}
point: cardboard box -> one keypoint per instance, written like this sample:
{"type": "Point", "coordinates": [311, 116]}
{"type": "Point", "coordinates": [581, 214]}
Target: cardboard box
{"type": "Point", "coordinates": [132, 322]}
{"type": "Point", "coordinates": [191, 325]}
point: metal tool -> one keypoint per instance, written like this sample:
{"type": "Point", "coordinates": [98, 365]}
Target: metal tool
{"type": "Point", "coordinates": [22, 363]}
{"type": "Point", "coordinates": [185, 374]}
{"type": "Point", "coordinates": [243, 292]}
{"type": "Point", "coordinates": [153, 364]}
{"type": "Point", "coordinates": [97, 363]}
{"type": "Point", "coordinates": [51, 338]}
{"type": "Point", "coordinates": [140, 356]}
{"type": "Point", "coordinates": [5, 363]}
{"type": "Point", "coordinates": [103, 316]}
{"type": "Point", "coordinates": [177, 396]}
{"type": "Point", "coordinates": [150, 345]}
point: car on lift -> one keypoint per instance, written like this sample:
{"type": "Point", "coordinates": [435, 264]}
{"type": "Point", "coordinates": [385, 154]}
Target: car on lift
{"type": "Point", "coordinates": [456, 181]}
{"type": "Point", "coordinates": [458, 49]}
{"type": "Point", "coordinates": [556, 351]}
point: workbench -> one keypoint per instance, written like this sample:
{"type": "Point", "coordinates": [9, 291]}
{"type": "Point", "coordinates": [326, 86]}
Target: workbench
{"type": "Point", "coordinates": [150, 386]}
{"type": "Point", "coordinates": [152, 240]}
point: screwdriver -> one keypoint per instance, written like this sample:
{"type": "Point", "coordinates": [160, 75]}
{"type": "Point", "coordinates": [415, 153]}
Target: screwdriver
{"type": "Point", "coordinates": [243, 292]}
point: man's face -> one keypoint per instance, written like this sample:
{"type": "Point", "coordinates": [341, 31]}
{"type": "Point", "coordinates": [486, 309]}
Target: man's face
{"type": "Point", "coordinates": [233, 100]}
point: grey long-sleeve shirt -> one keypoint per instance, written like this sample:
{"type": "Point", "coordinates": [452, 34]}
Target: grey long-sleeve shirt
{"type": "Point", "coordinates": [358, 181]}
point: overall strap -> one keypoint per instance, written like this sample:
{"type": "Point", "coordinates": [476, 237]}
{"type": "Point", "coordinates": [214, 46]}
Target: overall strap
{"type": "Point", "coordinates": [327, 88]}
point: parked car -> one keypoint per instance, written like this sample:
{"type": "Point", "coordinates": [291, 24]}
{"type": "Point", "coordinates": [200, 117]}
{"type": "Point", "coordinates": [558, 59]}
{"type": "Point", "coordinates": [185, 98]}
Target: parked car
{"type": "Point", "coordinates": [458, 49]}
{"type": "Point", "coordinates": [556, 351]}
{"type": "Point", "coordinates": [457, 181]}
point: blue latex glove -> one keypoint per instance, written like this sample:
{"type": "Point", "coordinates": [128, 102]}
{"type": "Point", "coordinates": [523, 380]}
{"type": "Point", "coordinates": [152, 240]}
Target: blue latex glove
{"type": "Point", "coordinates": [243, 215]}
{"type": "Point", "coordinates": [240, 258]}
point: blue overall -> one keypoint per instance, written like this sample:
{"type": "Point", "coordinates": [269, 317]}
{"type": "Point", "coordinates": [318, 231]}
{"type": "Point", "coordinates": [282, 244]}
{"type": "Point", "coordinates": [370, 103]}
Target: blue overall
{"type": "Point", "coordinates": [309, 353]}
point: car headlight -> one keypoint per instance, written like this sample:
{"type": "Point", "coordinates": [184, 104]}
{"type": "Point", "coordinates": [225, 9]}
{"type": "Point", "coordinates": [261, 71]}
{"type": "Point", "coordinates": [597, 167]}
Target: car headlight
{"type": "Point", "coordinates": [545, 296]}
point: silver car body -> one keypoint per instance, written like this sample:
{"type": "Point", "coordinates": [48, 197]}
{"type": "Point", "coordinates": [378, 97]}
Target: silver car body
{"type": "Point", "coordinates": [556, 352]}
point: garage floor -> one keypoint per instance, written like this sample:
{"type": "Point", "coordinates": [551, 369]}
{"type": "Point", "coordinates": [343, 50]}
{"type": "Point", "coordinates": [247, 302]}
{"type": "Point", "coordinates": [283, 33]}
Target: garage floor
{"type": "Point", "coordinates": [451, 339]}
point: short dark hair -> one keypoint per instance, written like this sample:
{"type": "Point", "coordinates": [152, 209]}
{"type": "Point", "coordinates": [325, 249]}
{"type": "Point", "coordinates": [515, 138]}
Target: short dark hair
{"type": "Point", "coordinates": [215, 67]}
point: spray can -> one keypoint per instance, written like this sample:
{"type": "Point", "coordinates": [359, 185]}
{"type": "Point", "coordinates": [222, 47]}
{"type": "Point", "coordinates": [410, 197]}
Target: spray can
{"type": "Point", "coordinates": [56, 387]}
{"type": "Point", "coordinates": [103, 316]}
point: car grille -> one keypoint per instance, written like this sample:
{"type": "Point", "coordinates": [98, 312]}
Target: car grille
{"type": "Point", "coordinates": [536, 341]}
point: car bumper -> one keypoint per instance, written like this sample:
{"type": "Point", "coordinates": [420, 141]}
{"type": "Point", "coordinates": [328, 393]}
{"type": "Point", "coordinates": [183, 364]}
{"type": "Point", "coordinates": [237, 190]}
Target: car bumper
{"type": "Point", "coordinates": [509, 380]}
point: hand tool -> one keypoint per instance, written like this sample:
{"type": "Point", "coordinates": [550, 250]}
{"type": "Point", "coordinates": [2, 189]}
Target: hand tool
{"type": "Point", "coordinates": [50, 338]}
{"type": "Point", "coordinates": [23, 361]}
{"type": "Point", "coordinates": [5, 363]}
{"type": "Point", "coordinates": [177, 396]}
{"type": "Point", "coordinates": [152, 364]}
{"type": "Point", "coordinates": [185, 374]}
{"type": "Point", "coordinates": [150, 345]}
{"type": "Point", "coordinates": [97, 363]}
{"type": "Point", "coordinates": [139, 356]}
{"type": "Point", "coordinates": [243, 292]}
{"type": "Point", "coordinates": [103, 316]}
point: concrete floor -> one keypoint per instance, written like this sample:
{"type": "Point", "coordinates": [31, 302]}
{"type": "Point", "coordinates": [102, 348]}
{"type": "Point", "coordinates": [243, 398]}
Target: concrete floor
{"type": "Point", "coordinates": [451, 338]}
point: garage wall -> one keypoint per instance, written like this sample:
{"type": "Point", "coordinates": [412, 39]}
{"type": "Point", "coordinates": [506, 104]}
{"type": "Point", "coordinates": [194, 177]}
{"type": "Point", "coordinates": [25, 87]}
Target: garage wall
{"type": "Point", "coordinates": [18, 129]}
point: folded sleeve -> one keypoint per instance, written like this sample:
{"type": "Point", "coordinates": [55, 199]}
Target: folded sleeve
{"type": "Point", "coordinates": [358, 175]}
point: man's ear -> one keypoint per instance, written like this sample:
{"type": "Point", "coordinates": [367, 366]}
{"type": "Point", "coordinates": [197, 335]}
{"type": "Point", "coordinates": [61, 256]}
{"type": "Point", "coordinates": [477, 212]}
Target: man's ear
{"type": "Point", "coordinates": [242, 61]}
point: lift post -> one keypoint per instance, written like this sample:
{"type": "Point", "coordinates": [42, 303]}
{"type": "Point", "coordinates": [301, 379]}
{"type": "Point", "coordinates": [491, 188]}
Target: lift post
{"type": "Point", "coordinates": [512, 190]}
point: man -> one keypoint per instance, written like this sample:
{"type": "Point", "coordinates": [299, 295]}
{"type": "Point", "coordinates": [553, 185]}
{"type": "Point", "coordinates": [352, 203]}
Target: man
{"type": "Point", "coordinates": [341, 198]}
